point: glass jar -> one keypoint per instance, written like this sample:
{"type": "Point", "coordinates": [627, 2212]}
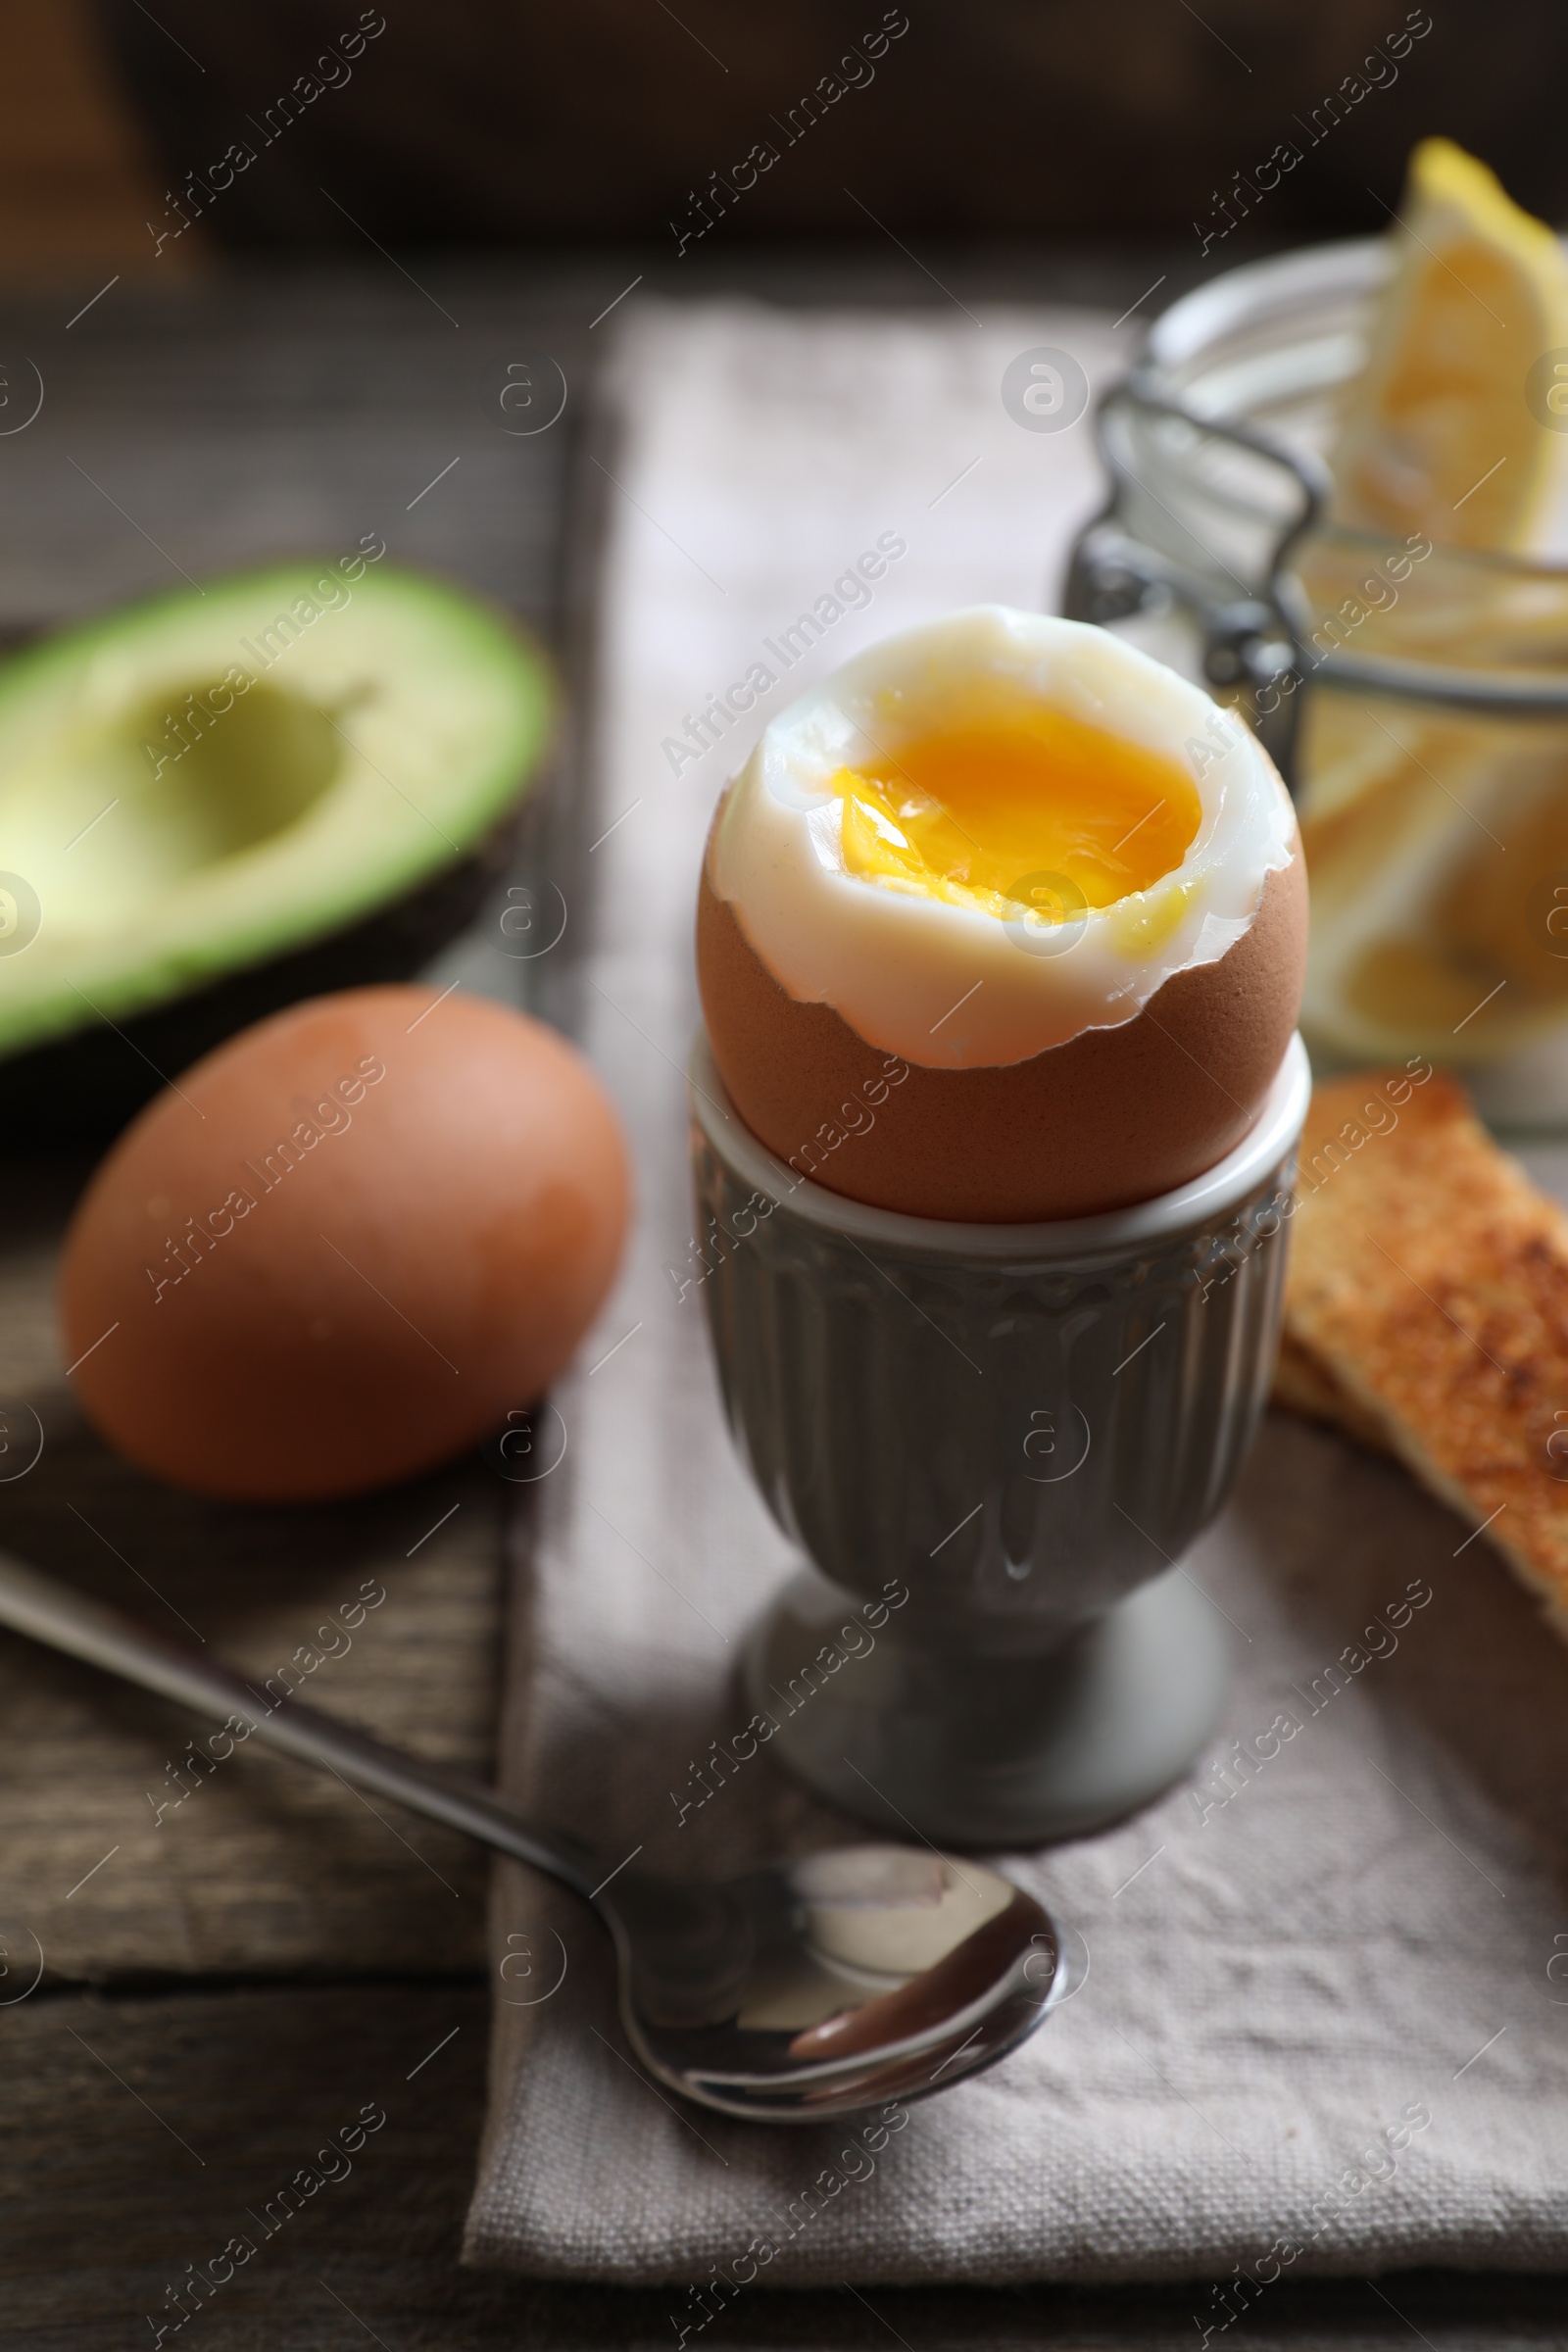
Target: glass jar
{"type": "Point", "coordinates": [1414, 695]}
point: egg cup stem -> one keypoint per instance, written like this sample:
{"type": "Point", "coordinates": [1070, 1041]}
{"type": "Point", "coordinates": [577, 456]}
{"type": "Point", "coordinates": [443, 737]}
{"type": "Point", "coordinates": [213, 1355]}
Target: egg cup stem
{"type": "Point", "coordinates": [993, 1445]}
{"type": "Point", "coordinates": [971, 1749]}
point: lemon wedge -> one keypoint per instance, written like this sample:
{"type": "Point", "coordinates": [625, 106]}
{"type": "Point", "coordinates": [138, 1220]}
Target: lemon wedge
{"type": "Point", "coordinates": [1437, 845]}
{"type": "Point", "coordinates": [1437, 852]}
{"type": "Point", "coordinates": [1442, 433]}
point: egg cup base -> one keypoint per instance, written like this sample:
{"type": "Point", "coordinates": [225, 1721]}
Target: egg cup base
{"type": "Point", "coordinates": [989, 1751]}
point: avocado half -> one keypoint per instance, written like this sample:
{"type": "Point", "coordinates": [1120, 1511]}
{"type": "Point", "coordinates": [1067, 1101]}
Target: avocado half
{"type": "Point", "coordinates": [217, 802]}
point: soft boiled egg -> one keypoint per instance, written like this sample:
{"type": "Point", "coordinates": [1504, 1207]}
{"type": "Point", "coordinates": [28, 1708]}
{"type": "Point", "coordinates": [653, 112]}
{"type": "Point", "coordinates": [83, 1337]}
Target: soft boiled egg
{"type": "Point", "coordinates": [1030, 893]}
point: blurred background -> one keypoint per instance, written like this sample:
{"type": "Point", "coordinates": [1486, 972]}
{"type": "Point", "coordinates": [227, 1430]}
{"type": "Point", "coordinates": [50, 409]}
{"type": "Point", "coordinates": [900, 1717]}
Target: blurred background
{"type": "Point", "coordinates": [474, 124]}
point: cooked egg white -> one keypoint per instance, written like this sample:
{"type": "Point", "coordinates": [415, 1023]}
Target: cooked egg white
{"type": "Point", "coordinates": [986, 836]}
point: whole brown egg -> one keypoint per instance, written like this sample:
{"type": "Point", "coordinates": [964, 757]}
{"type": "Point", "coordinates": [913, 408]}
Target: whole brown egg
{"type": "Point", "coordinates": [342, 1248]}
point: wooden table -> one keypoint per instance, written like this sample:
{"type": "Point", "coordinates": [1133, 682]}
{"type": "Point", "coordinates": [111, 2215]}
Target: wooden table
{"type": "Point", "coordinates": [226, 1986]}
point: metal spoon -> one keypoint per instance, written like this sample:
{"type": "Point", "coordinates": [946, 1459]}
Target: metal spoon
{"type": "Point", "coordinates": [804, 1989]}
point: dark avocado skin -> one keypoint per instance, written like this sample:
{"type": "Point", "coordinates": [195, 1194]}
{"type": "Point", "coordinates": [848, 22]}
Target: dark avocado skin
{"type": "Point", "coordinates": [83, 1088]}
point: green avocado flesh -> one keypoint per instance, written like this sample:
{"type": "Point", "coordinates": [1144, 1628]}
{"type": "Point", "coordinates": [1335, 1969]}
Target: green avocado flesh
{"type": "Point", "coordinates": [198, 785]}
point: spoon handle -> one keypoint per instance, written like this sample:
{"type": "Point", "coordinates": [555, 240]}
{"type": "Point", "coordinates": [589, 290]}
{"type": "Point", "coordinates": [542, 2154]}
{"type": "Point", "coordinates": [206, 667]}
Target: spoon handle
{"type": "Point", "coordinates": [63, 1619]}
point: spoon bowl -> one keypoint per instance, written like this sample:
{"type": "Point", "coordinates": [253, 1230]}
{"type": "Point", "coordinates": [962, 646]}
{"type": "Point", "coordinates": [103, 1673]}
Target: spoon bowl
{"type": "Point", "coordinates": [819, 1986]}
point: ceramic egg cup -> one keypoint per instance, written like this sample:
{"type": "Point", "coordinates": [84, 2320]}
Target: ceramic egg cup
{"type": "Point", "coordinates": [1018, 1429]}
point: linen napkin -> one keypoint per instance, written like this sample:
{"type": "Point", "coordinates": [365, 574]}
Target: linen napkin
{"type": "Point", "coordinates": [1320, 2017]}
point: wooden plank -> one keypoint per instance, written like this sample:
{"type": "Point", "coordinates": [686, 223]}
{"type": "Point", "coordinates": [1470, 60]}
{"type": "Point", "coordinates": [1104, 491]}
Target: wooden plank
{"type": "Point", "coordinates": [191, 429]}
{"type": "Point", "coordinates": [139, 2136]}
{"type": "Point", "coordinates": [253, 1863]}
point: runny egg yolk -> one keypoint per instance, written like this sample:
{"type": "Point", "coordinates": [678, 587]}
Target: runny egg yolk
{"type": "Point", "coordinates": [979, 815]}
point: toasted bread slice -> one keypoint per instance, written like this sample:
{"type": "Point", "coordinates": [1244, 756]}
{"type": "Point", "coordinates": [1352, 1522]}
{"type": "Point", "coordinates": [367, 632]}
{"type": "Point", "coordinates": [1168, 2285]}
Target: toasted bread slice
{"type": "Point", "coordinates": [1428, 1291]}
